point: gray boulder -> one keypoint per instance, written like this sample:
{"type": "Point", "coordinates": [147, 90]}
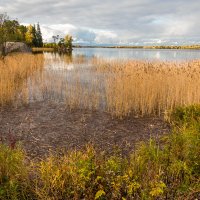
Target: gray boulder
{"type": "Point", "coordinates": [17, 47]}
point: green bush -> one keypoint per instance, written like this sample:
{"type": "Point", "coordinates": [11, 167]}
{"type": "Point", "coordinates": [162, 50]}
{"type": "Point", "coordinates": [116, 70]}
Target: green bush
{"type": "Point", "coordinates": [13, 173]}
{"type": "Point", "coordinates": [186, 116]}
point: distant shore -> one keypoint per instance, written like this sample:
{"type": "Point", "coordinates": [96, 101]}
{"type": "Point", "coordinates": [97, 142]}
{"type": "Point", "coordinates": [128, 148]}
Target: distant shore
{"type": "Point", "coordinates": [50, 49]}
{"type": "Point", "coordinates": [141, 47]}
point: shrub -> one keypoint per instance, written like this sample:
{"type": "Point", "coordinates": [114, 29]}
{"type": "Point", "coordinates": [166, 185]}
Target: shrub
{"type": "Point", "coordinates": [13, 173]}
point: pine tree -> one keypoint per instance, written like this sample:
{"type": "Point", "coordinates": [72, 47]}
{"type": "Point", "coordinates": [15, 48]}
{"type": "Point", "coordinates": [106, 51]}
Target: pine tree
{"type": "Point", "coordinates": [39, 36]}
{"type": "Point", "coordinates": [34, 36]}
{"type": "Point", "coordinates": [34, 33]}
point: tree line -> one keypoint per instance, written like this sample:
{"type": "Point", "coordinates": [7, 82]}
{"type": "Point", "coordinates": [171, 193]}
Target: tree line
{"type": "Point", "coordinates": [13, 31]}
{"type": "Point", "coordinates": [33, 36]}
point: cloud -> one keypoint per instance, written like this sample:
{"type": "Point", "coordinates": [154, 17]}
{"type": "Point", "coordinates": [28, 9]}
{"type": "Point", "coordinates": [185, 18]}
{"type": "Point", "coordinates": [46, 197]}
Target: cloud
{"type": "Point", "coordinates": [80, 34]}
{"type": "Point", "coordinates": [112, 21]}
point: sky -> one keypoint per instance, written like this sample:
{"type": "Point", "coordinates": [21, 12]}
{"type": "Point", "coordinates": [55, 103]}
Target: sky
{"type": "Point", "coordinates": [115, 22]}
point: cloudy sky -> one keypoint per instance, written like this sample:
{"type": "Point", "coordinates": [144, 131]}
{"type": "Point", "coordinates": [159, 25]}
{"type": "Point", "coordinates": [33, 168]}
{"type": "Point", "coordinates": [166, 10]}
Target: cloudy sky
{"type": "Point", "coordinates": [132, 22]}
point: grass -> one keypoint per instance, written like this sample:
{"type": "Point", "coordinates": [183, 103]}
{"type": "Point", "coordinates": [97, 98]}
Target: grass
{"type": "Point", "coordinates": [147, 88]}
{"type": "Point", "coordinates": [166, 170]}
{"type": "Point", "coordinates": [15, 70]}
{"type": "Point", "coordinates": [13, 173]}
{"type": "Point", "coordinates": [41, 49]}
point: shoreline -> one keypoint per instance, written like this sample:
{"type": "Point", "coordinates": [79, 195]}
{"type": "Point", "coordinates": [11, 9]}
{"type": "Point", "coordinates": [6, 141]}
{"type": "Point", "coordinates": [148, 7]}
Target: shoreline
{"type": "Point", "coordinates": [142, 47]}
{"type": "Point", "coordinates": [40, 49]}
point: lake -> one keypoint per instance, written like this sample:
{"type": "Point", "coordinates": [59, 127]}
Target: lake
{"type": "Point", "coordinates": [139, 54]}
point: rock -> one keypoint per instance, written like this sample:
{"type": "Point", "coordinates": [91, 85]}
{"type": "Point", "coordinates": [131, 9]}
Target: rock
{"type": "Point", "coordinates": [17, 47]}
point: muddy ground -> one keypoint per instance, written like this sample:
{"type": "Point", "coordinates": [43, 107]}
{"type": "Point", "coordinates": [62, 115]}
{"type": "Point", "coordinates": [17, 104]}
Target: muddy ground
{"type": "Point", "coordinates": [47, 127]}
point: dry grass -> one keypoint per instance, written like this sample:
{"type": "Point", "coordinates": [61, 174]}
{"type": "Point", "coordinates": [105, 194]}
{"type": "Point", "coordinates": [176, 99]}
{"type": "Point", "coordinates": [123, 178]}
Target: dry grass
{"type": "Point", "coordinates": [122, 88]}
{"type": "Point", "coordinates": [41, 49]}
{"type": "Point", "coordinates": [14, 72]}
{"type": "Point", "coordinates": [151, 88]}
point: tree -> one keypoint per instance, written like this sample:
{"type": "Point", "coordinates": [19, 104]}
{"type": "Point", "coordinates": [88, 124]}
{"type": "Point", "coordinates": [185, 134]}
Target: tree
{"type": "Point", "coordinates": [39, 36]}
{"type": "Point", "coordinates": [65, 44]}
{"type": "Point", "coordinates": [33, 36]}
{"type": "Point", "coordinates": [12, 31]}
{"type": "Point", "coordinates": [55, 38]}
{"type": "Point", "coordinates": [11, 27]}
{"type": "Point", "coordinates": [22, 33]}
{"type": "Point", "coordinates": [29, 35]}
{"type": "Point", "coordinates": [68, 42]}
{"type": "Point", "coordinates": [3, 33]}
{"type": "Point", "coordinates": [34, 33]}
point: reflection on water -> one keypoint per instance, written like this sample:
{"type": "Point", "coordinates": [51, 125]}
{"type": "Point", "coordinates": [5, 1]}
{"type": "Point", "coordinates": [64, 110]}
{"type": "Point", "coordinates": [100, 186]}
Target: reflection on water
{"type": "Point", "coordinates": [69, 79]}
{"type": "Point", "coordinates": [139, 54]}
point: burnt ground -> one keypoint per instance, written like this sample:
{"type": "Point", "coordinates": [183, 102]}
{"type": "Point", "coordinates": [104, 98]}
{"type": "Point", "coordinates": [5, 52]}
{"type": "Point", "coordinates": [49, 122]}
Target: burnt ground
{"type": "Point", "coordinates": [47, 127]}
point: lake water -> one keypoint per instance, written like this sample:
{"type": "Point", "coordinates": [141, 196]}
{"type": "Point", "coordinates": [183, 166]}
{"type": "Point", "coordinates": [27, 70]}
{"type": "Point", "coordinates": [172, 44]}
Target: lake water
{"type": "Point", "coordinates": [139, 54]}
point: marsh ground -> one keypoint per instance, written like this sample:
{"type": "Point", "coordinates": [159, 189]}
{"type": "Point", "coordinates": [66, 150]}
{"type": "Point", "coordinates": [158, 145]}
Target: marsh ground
{"type": "Point", "coordinates": [47, 127]}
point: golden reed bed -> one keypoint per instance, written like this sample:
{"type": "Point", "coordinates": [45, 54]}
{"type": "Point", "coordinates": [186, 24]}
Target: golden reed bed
{"type": "Point", "coordinates": [125, 87]}
{"type": "Point", "coordinates": [132, 87]}
{"type": "Point", "coordinates": [14, 71]}
{"type": "Point", "coordinates": [136, 87]}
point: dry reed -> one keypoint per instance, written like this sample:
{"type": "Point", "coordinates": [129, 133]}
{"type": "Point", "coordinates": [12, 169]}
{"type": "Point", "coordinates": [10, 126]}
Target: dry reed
{"type": "Point", "coordinates": [122, 88]}
{"type": "Point", "coordinates": [145, 88]}
{"type": "Point", "coordinates": [127, 88]}
{"type": "Point", "coordinates": [14, 72]}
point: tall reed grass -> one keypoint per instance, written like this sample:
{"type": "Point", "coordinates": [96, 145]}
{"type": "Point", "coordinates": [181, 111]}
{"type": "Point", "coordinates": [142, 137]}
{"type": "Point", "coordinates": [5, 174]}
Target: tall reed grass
{"type": "Point", "coordinates": [145, 88]}
{"type": "Point", "coordinates": [15, 70]}
{"type": "Point", "coordinates": [123, 88]}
